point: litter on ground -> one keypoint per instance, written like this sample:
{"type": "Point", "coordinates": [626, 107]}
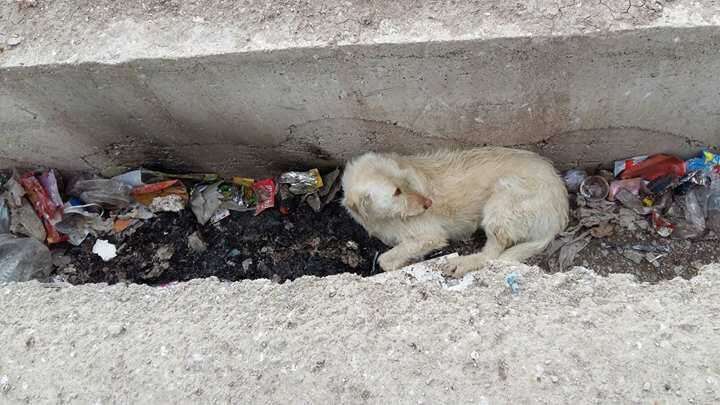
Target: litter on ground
{"type": "Point", "coordinates": [656, 217]}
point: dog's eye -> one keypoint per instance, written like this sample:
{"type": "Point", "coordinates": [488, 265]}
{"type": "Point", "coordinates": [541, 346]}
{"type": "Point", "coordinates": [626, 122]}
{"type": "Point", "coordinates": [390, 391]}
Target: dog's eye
{"type": "Point", "coordinates": [397, 192]}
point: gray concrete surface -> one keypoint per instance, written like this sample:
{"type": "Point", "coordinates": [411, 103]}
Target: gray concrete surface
{"type": "Point", "coordinates": [257, 87]}
{"type": "Point", "coordinates": [564, 338]}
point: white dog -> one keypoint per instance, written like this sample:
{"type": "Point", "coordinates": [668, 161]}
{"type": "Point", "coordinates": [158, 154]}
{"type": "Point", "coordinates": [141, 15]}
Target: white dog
{"type": "Point", "coordinates": [418, 203]}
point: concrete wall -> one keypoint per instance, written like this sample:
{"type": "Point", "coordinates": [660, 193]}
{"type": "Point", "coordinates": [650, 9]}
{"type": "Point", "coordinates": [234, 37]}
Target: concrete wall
{"type": "Point", "coordinates": [579, 99]}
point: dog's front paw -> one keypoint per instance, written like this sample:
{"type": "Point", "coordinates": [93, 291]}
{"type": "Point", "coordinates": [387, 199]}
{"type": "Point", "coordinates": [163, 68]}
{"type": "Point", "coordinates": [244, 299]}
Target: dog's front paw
{"type": "Point", "coordinates": [453, 267]}
{"type": "Point", "coordinates": [390, 262]}
{"type": "Point", "coordinates": [460, 265]}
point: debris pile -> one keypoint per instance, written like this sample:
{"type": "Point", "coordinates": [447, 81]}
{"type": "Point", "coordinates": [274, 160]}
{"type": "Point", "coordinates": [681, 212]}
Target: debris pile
{"type": "Point", "coordinates": [154, 227]}
{"type": "Point", "coordinates": [41, 211]}
{"type": "Point", "coordinates": [660, 195]}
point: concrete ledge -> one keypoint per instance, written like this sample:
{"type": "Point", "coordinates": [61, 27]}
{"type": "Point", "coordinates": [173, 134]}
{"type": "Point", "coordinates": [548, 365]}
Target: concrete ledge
{"type": "Point", "coordinates": [564, 338]}
{"type": "Point", "coordinates": [224, 88]}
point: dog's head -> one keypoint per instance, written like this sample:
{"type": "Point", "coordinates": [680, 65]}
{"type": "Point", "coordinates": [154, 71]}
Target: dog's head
{"type": "Point", "coordinates": [377, 188]}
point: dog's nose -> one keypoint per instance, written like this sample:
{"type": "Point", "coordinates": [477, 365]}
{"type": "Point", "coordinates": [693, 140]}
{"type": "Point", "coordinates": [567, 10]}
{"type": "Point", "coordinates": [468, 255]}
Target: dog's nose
{"type": "Point", "coordinates": [427, 203]}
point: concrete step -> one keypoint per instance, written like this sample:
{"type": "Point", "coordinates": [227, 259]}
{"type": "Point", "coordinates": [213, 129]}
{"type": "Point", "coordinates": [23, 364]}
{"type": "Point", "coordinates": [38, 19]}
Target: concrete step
{"type": "Point", "coordinates": [257, 87]}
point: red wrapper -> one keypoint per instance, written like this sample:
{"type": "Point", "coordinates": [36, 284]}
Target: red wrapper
{"type": "Point", "coordinates": [44, 207]}
{"type": "Point", "coordinates": [265, 193]}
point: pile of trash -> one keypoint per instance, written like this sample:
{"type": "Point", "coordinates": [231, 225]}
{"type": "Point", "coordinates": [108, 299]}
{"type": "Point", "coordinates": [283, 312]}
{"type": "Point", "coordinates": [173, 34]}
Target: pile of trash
{"type": "Point", "coordinates": [41, 209]}
{"type": "Point", "coordinates": [673, 198]}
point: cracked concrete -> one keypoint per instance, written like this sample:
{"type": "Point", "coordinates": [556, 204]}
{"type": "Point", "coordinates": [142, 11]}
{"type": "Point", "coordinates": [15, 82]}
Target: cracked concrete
{"type": "Point", "coordinates": [258, 87]}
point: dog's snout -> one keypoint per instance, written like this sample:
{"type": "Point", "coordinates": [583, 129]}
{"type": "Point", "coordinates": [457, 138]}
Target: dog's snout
{"type": "Point", "coordinates": [427, 203]}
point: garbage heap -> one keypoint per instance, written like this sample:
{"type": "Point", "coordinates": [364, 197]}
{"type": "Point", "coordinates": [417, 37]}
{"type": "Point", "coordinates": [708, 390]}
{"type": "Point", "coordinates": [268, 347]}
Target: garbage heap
{"type": "Point", "coordinates": [40, 209]}
{"type": "Point", "coordinates": [674, 198]}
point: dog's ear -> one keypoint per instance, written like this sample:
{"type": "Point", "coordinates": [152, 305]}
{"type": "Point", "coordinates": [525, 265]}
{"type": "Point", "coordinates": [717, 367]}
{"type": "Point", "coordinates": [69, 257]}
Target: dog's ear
{"type": "Point", "coordinates": [363, 205]}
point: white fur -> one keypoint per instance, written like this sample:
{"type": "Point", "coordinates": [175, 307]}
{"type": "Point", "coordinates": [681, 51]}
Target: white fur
{"type": "Point", "coordinates": [515, 196]}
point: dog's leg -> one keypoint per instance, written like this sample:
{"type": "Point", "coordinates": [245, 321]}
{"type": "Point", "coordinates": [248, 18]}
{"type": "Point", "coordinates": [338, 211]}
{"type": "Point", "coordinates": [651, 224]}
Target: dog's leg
{"type": "Point", "coordinates": [525, 250]}
{"type": "Point", "coordinates": [493, 248]}
{"type": "Point", "coordinates": [402, 254]}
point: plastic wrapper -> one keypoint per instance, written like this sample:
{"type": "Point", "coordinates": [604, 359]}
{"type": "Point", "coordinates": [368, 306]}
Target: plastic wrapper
{"type": "Point", "coordinates": [205, 200]}
{"type": "Point", "coordinates": [24, 221]}
{"type": "Point", "coordinates": [15, 192]}
{"type": "Point", "coordinates": [631, 201]}
{"type": "Point", "coordinates": [573, 178]}
{"type": "Point", "coordinates": [235, 198]}
{"type": "Point", "coordinates": [44, 207]}
{"type": "Point", "coordinates": [706, 162]}
{"type": "Point", "coordinates": [140, 177]}
{"type": "Point", "coordinates": [106, 192]}
{"type": "Point", "coordinates": [635, 186]}
{"type": "Point", "coordinates": [265, 194]}
{"type": "Point", "coordinates": [712, 211]}
{"type": "Point", "coordinates": [301, 183]}
{"type": "Point", "coordinates": [81, 221]}
{"type": "Point", "coordinates": [663, 183]}
{"type": "Point", "coordinates": [4, 216]}
{"type": "Point", "coordinates": [287, 199]}
{"type": "Point", "coordinates": [694, 224]}
{"type": "Point", "coordinates": [166, 196]}
{"type": "Point", "coordinates": [662, 226]}
{"type": "Point", "coordinates": [23, 259]}
{"type": "Point", "coordinates": [622, 165]}
{"type": "Point", "coordinates": [655, 166]}
{"type": "Point", "coordinates": [594, 188]}
{"type": "Point", "coordinates": [49, 181]}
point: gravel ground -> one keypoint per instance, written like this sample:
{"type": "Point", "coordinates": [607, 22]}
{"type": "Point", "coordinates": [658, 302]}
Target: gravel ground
{"type": "Point", "coordinates": [564, 338]}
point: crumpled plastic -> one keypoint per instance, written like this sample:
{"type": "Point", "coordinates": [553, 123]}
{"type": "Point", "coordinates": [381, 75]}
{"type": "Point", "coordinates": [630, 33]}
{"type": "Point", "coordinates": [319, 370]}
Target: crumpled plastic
{"type": "Point", "coordinates": [301, 183]}
{"type": "Point", "coordinates": [106, 192]}
{"type": "Point", "coordinates": [81, 221]}
{"type": "Point", "coordinates": [23, 259]}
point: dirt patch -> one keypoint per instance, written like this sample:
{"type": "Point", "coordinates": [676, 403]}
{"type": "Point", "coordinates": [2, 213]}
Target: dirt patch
{"type": "Point", "coordinates": [242, 246]}
{"type": "Point", "coordinates": [174, 247]}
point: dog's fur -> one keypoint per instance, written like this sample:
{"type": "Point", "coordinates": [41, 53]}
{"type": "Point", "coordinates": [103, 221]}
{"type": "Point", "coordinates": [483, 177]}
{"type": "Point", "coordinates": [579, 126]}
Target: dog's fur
{"type": "Point", "coordinates": [418, 203]}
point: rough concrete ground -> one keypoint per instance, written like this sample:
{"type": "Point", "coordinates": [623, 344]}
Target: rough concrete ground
{"type": "Point", "coordinates": [37, 32]}
{"type": "Point", "coordinates": [564, 338]}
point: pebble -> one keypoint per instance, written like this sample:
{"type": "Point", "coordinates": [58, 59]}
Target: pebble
{"type": "Point", "coordinates": [646, 386]}
{"type": "Point", "coordinates": [196, 244]}
{"type": "Point", "coordinates": [554, 379]}
{"type": "Point", "coordinates": [246, 264]}
{"type": "Point", "coordinates": [14, 40]}
{"type": "Point", "coordinates": [351, 244]}
{"type": "Point", "coordinates": [4, 384]}
{"type": "Point", "coordinates": [116, 329]}
{"type": "Point", "coordinates": [633, 256]}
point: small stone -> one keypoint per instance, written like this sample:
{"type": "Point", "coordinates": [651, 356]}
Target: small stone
{"type": "Point", "coordinates": [116, 329]}
{"type": "Point", "coordinates": [246, 264]}
{"type": "Point", "coordinates": [554, 379]}
{"type": "Point", "coordinates": [263, 268]}
{"type": "Point", "coordinates": [14, 40]}
{"type": "Point", "coordinates": [633, 256]}
{"type": "Point", "coordinates": [646, 386]}
{"type": "Point", "coordinates": [164, 253]}
{"type": "Point", "coordinates": [196, 244]}
{"type": "Point", "coordinates": [4, 384]}
{"type": "Point", "coordinates": [289, 226]}
{"type": "Point", "coordinates": [234, 253]}
{"type": "Point", "coordinates": [267, 250]}
{"type": "Point", "coordinates": [351, 244]}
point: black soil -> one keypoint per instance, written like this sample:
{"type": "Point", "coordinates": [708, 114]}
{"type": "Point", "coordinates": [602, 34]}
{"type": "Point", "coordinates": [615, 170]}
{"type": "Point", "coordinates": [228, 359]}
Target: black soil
{"type": "Point", "coordinates": [279, 248]}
